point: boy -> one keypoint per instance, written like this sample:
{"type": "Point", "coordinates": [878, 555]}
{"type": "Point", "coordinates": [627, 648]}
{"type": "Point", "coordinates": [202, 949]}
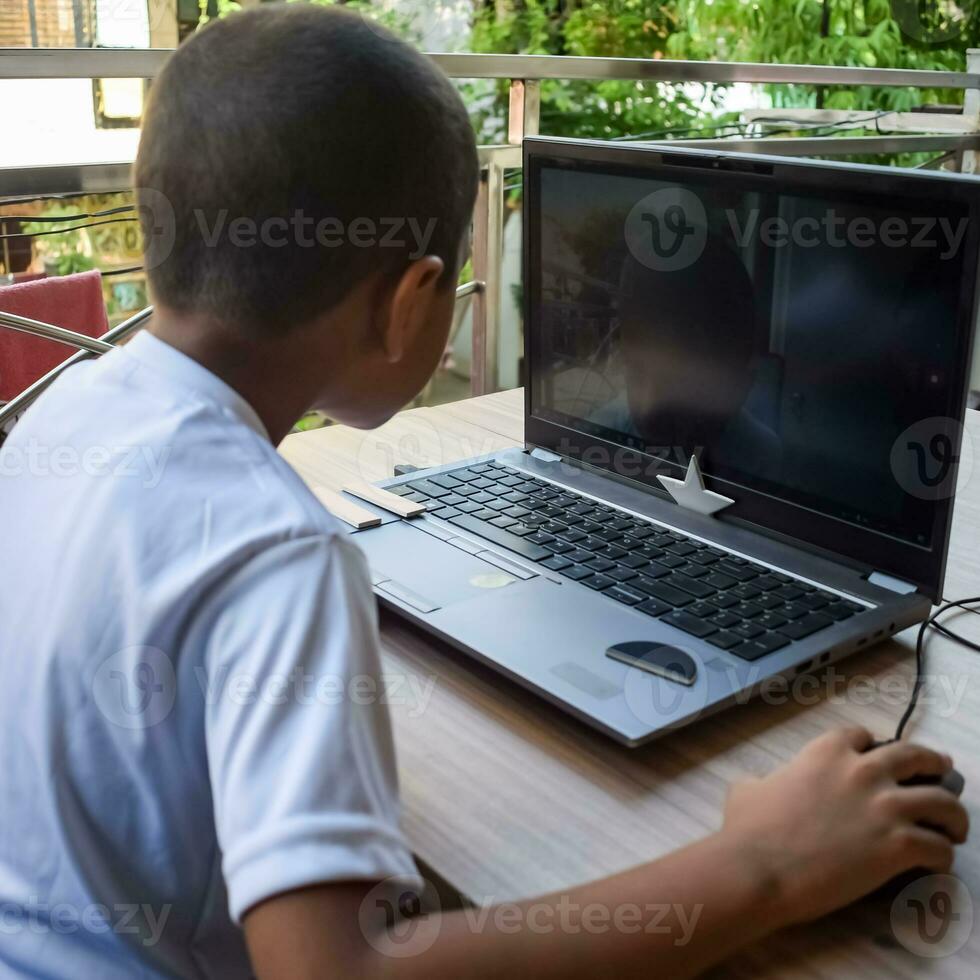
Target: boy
{"type": "Point", "coordinates": [156, 821]}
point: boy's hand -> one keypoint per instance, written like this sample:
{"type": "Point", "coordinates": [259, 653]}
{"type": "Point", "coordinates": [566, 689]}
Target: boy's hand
{"type": "Point", "coordinates": [835, 824]}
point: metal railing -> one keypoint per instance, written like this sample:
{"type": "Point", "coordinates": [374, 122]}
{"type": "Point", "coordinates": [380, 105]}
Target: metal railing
{"type": "Point", "coordinates": [956, 134]}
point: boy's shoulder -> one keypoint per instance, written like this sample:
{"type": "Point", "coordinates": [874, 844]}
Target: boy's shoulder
{"type": "Point", "coordinates": [166, 441]}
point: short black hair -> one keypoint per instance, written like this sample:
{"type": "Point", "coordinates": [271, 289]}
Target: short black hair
{"type": "Point", "coordinates": [289, 113]}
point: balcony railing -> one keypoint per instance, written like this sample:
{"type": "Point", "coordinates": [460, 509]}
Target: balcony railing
{"type": "Point", "coordinates": [956, 134]}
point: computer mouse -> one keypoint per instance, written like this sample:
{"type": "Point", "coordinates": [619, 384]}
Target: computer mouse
{"type": "Point", "coordinates": [952, 781]}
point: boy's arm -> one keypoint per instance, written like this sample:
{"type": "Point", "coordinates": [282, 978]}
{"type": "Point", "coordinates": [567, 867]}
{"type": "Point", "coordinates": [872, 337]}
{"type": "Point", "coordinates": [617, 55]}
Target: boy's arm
{"type": "Point", "coordinates": [814, 836]}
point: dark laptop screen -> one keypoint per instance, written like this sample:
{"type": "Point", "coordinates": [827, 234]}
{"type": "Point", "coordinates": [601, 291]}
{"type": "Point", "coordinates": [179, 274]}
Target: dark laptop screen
{"type": "Point", "coordinates": [802, 344]}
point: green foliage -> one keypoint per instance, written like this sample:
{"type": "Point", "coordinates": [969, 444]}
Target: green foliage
{"type": "Point", "coordinates": [215, 8]}
{"type": "Point", "coordinates": [858, 33]}
{"type": "Point", "coordinates": [67, 252]}
{"type": "Point", "coordinates": [929, 34]}
{"type": "Point", "coordinates": [598, 28]}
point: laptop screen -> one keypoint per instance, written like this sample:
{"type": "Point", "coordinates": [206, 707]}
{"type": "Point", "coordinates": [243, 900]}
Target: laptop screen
{"type": "Point", "coordinates": [802, 342]}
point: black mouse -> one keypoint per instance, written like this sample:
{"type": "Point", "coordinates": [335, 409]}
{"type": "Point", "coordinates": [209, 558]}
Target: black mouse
{"type": "Point", "coordinates": [952, 781]}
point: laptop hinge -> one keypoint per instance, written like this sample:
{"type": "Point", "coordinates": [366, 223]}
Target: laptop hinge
{"type": "Point", "coordinates": [545, 456]}
{"type": "Point", "coordinates": [891, 583]}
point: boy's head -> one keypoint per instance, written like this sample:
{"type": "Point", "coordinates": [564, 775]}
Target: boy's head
{"type": "Point", "coordinates": [318, 170]}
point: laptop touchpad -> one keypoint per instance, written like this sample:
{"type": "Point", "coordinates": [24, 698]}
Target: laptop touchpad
{"type": "Point", "coordinates": [429, 573]}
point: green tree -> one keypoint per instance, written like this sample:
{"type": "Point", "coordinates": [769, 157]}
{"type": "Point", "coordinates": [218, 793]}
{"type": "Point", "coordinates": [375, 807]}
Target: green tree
{"type": "Point", "coordinates": [860, 33]}
{"type": "Point", "coordinates": [597, 28]}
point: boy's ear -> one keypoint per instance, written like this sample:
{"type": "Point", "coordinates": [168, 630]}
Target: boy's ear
{"type": "Point", "coordinates": [411, 307]}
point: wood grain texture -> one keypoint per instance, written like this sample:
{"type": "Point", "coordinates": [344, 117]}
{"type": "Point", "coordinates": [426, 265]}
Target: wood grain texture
{"type": "Point", "coordinates": [506, 797]}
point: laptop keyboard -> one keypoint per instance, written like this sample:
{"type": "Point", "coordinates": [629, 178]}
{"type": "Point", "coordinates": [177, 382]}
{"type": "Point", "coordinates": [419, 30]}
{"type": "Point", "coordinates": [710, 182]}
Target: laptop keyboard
{"type": "Point", "coordinates": [742, 607]}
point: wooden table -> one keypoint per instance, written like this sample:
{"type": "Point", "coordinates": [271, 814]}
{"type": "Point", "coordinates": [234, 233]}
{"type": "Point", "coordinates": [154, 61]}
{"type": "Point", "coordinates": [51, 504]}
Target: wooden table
{"type": "Point", "coordinates": [505, 797]}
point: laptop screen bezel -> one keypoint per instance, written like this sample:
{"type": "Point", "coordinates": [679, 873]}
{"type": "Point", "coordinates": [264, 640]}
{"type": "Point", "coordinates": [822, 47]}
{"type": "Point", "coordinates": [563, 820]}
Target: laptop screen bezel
{"type": "Point", "coordinates": [869, 550]}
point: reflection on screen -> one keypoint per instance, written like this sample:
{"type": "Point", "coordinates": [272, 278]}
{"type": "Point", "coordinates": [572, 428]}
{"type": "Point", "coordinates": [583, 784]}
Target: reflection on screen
{"type": "Point", "coordinates": [787, 340]}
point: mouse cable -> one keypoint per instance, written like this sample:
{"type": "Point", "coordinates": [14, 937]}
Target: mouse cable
{"type": "Point", "coordinates": [919, 651]}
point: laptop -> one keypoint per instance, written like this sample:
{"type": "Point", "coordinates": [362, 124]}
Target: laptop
{"type": "Point", "coordinates": [745, 380]}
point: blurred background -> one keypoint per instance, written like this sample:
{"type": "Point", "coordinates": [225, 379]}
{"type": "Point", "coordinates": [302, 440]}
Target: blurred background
{"type": "Point", "coordinates": [52, 121]}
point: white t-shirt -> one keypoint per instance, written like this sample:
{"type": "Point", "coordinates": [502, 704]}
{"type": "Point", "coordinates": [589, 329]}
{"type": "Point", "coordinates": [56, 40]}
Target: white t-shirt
{"type": "Point", "coordinates": [188, 650]}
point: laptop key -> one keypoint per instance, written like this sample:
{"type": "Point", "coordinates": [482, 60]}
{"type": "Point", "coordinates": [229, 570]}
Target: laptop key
{"type": "Point", "coordinates": [500, 536]}
{"type": "Point", "coordinates": [690, 624]}
{"type": "Point", "coordinates": [611, 551]}
{"type": "Point", "coordinates": [635, 561]}
{"type": "Point", "coordinates": [738, 572]}
{"type": "Point", "coordinates": [539, 537]}
{"type": "Point", "coordinates": [703, 557]}
{"type": "Point", "coordinates": [558, 547]}
{"type": "Point", "coordinates": [814, 602]}
{"type": "Point", "coordinates": [607, 534]}
{"type": "Point", "coordinates": [837, 611]}
{"type": "Point", "coordinates": [787, 592]}
{"type": "Point", "coordinates": [429, 488]}
{"type": "Point", "coordinates": [641, 531]}
{"type": "Point", "coordinates": [666, 593]}
{"type": "Point", "coordinates": [792, 610]}
{"type": "Point", "coordinates": [621, 574]}
{"type": "Point", "coordinates": [768, 601]}
{"type": "Point", "coordinates": [747, 610]}
{"type": "Point", "coordinates": [719, 581]}
{"type": "Point", "coordinates": [725, 639]}
{"type": "Point", "coordinates": [444, 512]}
{"type": "Point", "coordinates": [598, 582]}
{"type": "Point", "coordinates": [503, 521]}
{"type": "Point", "coordinates": [592, 543]}
{"type": "Point", "coordinates": [702, 610]}
{"type": "Point", "coordinates": [692, 570]}
{"type": "Point", "coordinates": [761, 646]}
{"type": "Point", "coordinates": [770, 620]}
{"type": "Point", "coordinates": [577, 572]}
{"type": "Point", "coordinates": [806, 626]}
{"type": "Point", "coordinates": [556, 563]}
{"type": "Point", "coordinates": [625, 595]}
{"type": "Point", "coordinates": [745, 591]}
{"type": "Point", "coordinates": [690, 585]}
{"type": "Point", "coordinates": [723, 600]}
{"type": "Point", "coordinates": [681, 548]}
{"type": "Point", "coordinates": [748, 630]}
{"type": "Point", "coordinates": [653, 607]}
{"type": "Point", "coordinates": [600, 564]}
{"type": "Point", "coordinates": [445, 480]}
{"type": "Point", "coordinates": [724, 619]}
